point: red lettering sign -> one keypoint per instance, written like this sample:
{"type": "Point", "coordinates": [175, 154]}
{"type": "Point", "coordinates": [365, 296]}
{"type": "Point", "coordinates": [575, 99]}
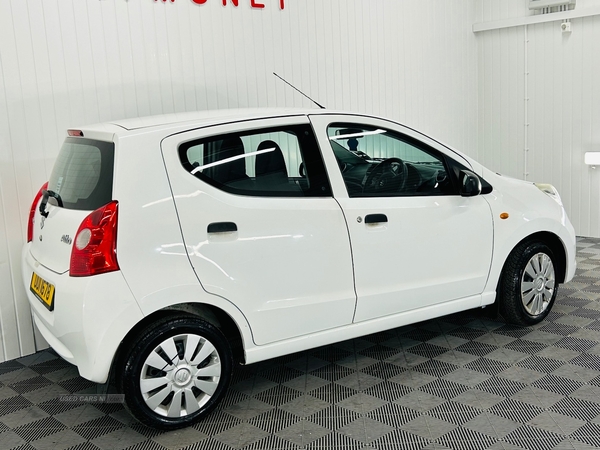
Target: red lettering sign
{"type": "Point", "coordinates": [236, 3]}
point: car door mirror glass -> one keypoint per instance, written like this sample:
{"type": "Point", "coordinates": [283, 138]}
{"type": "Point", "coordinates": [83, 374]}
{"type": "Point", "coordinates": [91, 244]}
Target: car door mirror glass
{"type": "Point", "coordinates": [470, 184]}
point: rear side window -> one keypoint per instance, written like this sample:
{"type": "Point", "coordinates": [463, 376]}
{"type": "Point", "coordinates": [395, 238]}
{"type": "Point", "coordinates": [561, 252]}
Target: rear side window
{"type": "Point", "coordinates": [83, 174]}
{"type": "Point", "coordinates": [270, 162]}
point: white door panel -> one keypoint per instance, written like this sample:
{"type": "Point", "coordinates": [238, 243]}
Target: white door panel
{"type": "Point", "coordinates": [287, 263]}
{"type": "Point", "coordinates": [287, 268]}
{"type": "Point", "coordinates": [431, 247]}
{"type": "Point", "coordinates": [431, 250]}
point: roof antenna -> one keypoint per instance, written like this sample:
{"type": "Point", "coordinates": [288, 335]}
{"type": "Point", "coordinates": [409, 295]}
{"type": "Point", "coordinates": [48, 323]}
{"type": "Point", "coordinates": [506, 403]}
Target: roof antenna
{"type": "Point", "coordinates": [314, 101]}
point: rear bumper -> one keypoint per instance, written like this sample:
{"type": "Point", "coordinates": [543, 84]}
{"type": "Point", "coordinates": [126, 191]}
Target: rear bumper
{"type": "Point", "coordinates": [91, 316]}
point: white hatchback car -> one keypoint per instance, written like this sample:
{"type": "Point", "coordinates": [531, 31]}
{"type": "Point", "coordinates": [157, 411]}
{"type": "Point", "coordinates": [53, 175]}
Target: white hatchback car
{"type": "Point", "coordinates": [167, 248]}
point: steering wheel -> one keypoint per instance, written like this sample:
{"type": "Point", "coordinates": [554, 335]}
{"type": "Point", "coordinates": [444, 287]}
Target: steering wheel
{"type": "Point", "coordinates": [388, 176]}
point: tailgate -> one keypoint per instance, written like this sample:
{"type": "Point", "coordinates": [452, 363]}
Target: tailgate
{"type": "Point", "coordinates": [53, 237]}
{"type": "Point", "coordinates": [81, 182]}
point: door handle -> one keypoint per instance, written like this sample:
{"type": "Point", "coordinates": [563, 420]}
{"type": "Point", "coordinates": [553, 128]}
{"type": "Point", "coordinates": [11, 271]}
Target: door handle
{"type": "Point", "coordinates": [375, 218]}
{"type": "Point", "coordinates": [221, 227]}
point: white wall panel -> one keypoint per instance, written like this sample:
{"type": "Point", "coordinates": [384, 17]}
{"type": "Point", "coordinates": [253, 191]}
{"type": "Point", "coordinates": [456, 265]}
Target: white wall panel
{"type": "Point", "coordinates": [491, 10]}
{"type": "Point", "coordinates": [502, 101]}
{"type": "Point", "coordinates": [539, 103]}
{"type": "Point", "coordinates": [16, 180]}
{"type": "Point", "coordinates": [70, 62]}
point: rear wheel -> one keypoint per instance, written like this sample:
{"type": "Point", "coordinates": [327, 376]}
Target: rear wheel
{"type": "Point", "coordinates": [528, 287]}
{"type": "Point", "coordinates": [176, 372]}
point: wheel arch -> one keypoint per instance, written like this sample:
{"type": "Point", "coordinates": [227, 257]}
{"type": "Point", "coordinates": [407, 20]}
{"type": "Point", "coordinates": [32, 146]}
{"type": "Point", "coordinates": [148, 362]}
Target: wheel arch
{"type": "Point", "coordinates": [550, 239]}
{"type": "Point", "coordinates": [508, 292]}
{"type": "Point", "coordinates": [212, 314]}
{"type": "Point", "coordinates": [555, 244]}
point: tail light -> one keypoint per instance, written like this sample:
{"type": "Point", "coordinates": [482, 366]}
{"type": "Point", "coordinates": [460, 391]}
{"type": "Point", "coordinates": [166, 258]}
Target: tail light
{"type": "Point", "coordinates": [95, 245]}
{"type": "Point", "coordinates": [32, 212]}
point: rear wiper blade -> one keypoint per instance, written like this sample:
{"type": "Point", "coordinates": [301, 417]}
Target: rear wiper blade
{"type": "Point", "coordinates": [46, 195]}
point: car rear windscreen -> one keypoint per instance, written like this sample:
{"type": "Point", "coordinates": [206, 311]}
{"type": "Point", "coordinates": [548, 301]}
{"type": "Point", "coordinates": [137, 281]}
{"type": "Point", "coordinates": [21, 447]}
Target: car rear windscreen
{"type": "Point", "coordinates": [83, 173]}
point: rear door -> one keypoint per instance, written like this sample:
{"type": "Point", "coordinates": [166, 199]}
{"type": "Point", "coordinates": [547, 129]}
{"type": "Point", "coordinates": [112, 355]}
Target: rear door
{"type": "Point", "coordinates": [260, 225]}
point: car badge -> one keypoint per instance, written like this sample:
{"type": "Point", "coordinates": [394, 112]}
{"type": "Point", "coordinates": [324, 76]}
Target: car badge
{"type": "Point", "coordinates": [66, 239]}
{"type": "Point", "coordinates": [42, 222]}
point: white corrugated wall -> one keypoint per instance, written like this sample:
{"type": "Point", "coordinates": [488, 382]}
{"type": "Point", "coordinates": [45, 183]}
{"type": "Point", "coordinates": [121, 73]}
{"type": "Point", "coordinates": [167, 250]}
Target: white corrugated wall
{"type": "Point", "coordinates": [69, 62]}
{"type": "Point", "coordinates": [524, 100]}
{"type": "Point", "coordinates": [539, 103]}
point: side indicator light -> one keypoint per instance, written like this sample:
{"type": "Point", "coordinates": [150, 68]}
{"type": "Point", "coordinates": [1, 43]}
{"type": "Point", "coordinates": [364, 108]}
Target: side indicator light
{"type": "Point", "coordinates": [504, 216]}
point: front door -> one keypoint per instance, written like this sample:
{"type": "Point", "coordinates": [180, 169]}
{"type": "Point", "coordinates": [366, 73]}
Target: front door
{"type": "Point", "coordinates": [415, 241]}
{"type": "Point", "coordinates": [261, 227]}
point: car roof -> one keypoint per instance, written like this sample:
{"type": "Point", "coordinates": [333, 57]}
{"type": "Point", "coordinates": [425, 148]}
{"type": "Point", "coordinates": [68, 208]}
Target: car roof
{"type": "Point", "coordinates": [210, 117]}
{"type": "Point", "coordinates": [176, 122]}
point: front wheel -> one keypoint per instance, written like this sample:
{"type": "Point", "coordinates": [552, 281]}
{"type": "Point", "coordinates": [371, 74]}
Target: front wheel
{"type": "Point", "coordinates": [528, 286]}
{"type": "Point", "coordinates": [176, 372]}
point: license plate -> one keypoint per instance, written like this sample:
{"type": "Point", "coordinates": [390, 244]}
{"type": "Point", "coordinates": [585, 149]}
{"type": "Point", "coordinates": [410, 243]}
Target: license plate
{"type": "Point", "coordinates": [43, 290]}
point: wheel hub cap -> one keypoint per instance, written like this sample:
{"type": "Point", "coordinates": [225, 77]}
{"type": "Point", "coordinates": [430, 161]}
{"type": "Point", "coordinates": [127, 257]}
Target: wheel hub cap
{"type": "Point", "coordinates": [180, 375]}
{"type": "Point", "coordinates": [537, 284]}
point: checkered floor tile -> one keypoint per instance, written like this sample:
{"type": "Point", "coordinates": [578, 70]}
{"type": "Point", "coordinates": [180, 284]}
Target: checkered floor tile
{"type": "Point", "coordinates": [466, 381]}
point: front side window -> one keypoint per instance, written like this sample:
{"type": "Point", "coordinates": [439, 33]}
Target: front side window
{"type": "Point", "coordinates": [283, 162]}
{"type": "Point", "coordinates": [379, 162]}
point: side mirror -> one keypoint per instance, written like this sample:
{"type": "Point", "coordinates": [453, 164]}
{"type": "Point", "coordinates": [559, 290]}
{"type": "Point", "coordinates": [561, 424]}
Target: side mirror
{"type": "Point", "coordinates": [470, 184]}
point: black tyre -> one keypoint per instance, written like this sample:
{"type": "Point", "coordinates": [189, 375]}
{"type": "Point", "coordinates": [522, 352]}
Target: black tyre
{"type": "Point", "coordinates": [175, 373]}
{"type": "Point", "coordinates": [528, 285]}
